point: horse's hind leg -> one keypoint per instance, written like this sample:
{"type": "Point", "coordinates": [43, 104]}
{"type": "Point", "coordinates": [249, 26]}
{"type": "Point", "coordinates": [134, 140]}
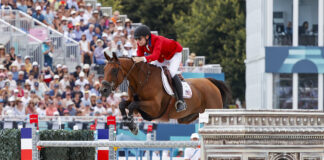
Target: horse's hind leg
{"type": "Point", "coordinates": [188, 119]}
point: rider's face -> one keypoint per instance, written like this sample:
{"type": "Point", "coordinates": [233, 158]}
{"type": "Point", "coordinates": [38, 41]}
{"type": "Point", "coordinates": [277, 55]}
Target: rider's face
{"type": "Point", "coordinates": [142, 41]}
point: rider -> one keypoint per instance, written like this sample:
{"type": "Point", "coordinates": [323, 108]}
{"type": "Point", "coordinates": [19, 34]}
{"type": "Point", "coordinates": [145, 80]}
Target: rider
{"type": "Point", "coordinates": [161, 52]}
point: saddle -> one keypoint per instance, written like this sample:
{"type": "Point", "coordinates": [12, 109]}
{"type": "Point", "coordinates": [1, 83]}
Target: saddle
{"type": "Point", "coordinates": [167, 83]}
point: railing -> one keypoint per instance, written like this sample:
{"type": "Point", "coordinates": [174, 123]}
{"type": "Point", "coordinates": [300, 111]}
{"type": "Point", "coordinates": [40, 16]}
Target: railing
{"type": "Point", "coordinates": [92, 2]}
{"type": "Point", "coordinates": [24, 44]}
{"type": "Point", "coordinates": [63, 45]}
{"type": "Point", "coordinates": [185, 55]}
{"type": "Point", "coordinates": [107, 10]}
{"type": "Point", "coordinates": [204, 69]}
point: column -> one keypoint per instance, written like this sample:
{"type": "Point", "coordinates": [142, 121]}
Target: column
{"type": "Point", "coordinates": [295, 91]}
{"type": "Point", "coordinates": [295, 22]}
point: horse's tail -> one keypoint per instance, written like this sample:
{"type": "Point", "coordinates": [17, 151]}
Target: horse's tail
{"type": "Point", "coordinates": [225, 92]}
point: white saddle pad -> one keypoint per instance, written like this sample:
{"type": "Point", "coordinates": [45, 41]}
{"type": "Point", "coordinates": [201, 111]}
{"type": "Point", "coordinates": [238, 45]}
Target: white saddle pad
{"type": "Point", "coordinates": [187, 93]}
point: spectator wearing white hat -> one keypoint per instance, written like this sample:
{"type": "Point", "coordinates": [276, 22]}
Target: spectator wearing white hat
{"type": "Point", "coordinates": [83, 19]}
{"type": "Point", "coordinates": [192, 153]}
{"type": "Point", "coordinates": [88, 11]}
{"type": "Point", "coordinates": [9, 109]}
{"type": "Point", "coordinates": [98, 53]}
{"type": "Point", "coordinates": [38, 15]}
{"type": "Point", "coordinates": [35, 70]}
{"type": "Point", "coordinates": [81, 81]}
{"type": "Point", "coordinates": [128, 51]}
{"type": "Point", "coordinates": [77, 32]}
{"type": "Point", "coordinates": [74, 17]}
{"type": "Point", "coordinates": [12, 83]}
{"type": "Point", "coordinates": [95, 89]}
{"type": "Point", "coordinates": [99, 9]}
{"type": "Point", "coordinates": [65, 81]}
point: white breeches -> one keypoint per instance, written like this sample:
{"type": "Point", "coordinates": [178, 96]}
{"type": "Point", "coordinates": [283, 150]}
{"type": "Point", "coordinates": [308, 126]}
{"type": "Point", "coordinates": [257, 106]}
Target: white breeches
{"type": "Point", "coordinates": [172, 64]}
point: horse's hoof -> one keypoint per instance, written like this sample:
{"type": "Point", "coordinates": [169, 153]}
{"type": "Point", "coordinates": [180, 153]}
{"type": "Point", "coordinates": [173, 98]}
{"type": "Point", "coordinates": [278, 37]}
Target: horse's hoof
{"type": "Point", "coordinates": [134, 131]}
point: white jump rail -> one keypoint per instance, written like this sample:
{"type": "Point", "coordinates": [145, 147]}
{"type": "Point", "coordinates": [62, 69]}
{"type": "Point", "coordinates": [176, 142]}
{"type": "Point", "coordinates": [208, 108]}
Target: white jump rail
{"type": "Point", "coordinates": [121, 144]}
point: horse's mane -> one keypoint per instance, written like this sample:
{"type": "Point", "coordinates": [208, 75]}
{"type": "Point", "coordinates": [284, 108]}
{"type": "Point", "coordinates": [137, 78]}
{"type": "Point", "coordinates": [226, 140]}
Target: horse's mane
{"type": "Point", "coordinates": [148, 64]}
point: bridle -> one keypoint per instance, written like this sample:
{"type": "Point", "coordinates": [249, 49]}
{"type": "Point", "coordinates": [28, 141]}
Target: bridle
{"type": "Point", "coordinates": [114, 83]}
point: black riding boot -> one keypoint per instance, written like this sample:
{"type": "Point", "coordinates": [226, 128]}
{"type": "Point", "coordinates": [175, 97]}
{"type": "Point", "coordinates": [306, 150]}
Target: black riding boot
{"type": "Point", "coordinates": [180, 104]}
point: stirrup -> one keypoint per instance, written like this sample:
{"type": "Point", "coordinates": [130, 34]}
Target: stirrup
{"type": "Point", "coordinates": [180, 102]}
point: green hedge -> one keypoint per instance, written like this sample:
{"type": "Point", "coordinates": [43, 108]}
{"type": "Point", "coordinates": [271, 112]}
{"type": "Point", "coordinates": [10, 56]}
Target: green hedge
{"type": "Point", "coordinates": [64, 153]}
{"type": "Point", "coordinates": [10, 144]}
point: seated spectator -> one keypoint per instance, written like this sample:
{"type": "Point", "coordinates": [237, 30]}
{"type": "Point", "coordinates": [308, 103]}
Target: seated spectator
{"type": "Point", "coordinates": [50, 109]}
{"type": "Point", "coordinates": [86, 54]}
{"type": "Point", "coordinates": [93, 44]}
{"type": "Point", "coordinates": [88, 11]}
{"type": "Point", "coordinates": [81, 81]}
{"type": "Point", "coordinates": [19, 108]}
{"type": "Point", "coordinates": [98, 5]}
{"type": "Point", "coordinates": [71, 108]}
{"type": "Point", "coordinates": [60, 108]}
{"type": "Point", "coordinates": [95, 16]}
{"type": "Point", "coordinates": [98, 53]}
{"type": "Point", "coordinates": [48, 15]}
{"type": "Point", "coordinates": [72, 4]}
{"type": "Point", "coordinates": [128, 51]}
{"type": "Point", "coordinates": [12, 54]}
{"type": "Point", "coordinates": [20, 79]}
{"type": "Point", "coordinates": [128, 27]}
{"type": "Point", "coordinates": [2, 54]}
{"type": "Point", "coordinates": [41, 109]}
{"type": "Point", "coordinates": [38, 15]}
{"type": "Point", "coordinates": [65, 81]}
{"type": "Point", "coordinates": [35, 70]}
{"type": "Point", "coordinates": [22, 6]}
{"type": "Point", "coordinates": [304, 28]}
{"type": "Point", "coordinates": [7, 62]}
{"type": "Point", "coordinates": [98, 32]}
{"type": "Point", "coordinates": [99, 108]}
{"type": "Point", "coordinates": [77, 32]}
{"type": "Point", "coordinates": [28, 64]}
{"type": "Point", "coordinates": [74, 18]}
{"type": "Point", "coordinates": [83, 26]}
{"type": "Point", "coordinates": [31, 109]}
{"type": "Point", "coordinates": [25, 99]}
{"type": "Point", "coordinates": [77, 71]}
{"type": "Point", "coordinates": [86, 98]}
{"type": "Point", "coordinates": [93, 100]}
{"type": "Point", "coordinates": [12, 83]}
{"type": "Point", "coordinates": [90, 32]}
{"type": "Point", "coordinates": [82, 19]}
{"type": "Point", "coordinates": [113, 100]}
{"type": "Point", "coordinates": [95, 90]}
{"type": "Point", "coordinates": [87, 110]}
{"type": "Point", "coordinates": [9, 109]}
{"type": "Point", "coordinates": [115, 17]}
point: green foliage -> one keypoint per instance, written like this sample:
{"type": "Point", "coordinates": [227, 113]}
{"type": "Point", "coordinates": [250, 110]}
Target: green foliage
{"type": "Point", "coordinates": [10, 144]}
{"type": "Point", "coordinates": [216, 29]}
{"type": "Point", "coordinates": [115, 4]}
{"type": "Point", "coordinates": [64, 153]}
{"type": "Point", "coordinates": [157, 14]}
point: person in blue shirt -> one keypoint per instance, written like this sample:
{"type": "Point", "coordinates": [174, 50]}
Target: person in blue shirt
{"type": "Point", "coordinates": [48, 53]}
{"type": "Point", "coordinates": [38, 15]}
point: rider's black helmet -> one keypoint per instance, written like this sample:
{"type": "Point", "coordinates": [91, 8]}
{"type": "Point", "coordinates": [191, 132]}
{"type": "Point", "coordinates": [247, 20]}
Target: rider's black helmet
{"type": "Point", "coordinates": [142, 30]}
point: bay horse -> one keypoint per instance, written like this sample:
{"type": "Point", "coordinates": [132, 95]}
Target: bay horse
{"type": "Point", "coordinates": [148, 97]}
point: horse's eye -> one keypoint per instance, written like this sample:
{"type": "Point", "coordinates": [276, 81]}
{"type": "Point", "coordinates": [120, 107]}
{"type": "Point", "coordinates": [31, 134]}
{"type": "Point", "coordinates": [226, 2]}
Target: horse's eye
{"type": "Point", "coordinates": [114, 71]}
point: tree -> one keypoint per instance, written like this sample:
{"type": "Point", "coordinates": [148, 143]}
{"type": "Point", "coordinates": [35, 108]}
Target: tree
{"type": "Point", "coordinates": [216, 29]}
{"type": "Point", "coordinates": [157, 14]}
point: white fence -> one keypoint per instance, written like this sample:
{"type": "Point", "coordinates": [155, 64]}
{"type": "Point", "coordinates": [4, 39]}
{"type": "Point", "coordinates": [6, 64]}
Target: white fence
{"type": "Point", "coordinates": [24, 44]}
{"type": "Point", "coordinates": [65, 49]}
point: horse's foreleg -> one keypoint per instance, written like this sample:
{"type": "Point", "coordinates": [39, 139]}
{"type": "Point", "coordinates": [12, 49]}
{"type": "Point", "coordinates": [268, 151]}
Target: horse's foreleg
{"type": "Point", "coordinates": [122, 107]}
{"type": "Point", "coordinates": [132, 126]}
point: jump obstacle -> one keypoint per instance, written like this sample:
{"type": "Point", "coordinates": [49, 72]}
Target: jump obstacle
{"type": "Point", "coordinates": [106, 138]}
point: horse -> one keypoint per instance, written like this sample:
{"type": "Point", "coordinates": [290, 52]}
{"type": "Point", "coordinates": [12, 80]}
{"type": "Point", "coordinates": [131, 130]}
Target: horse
{"type": "Point", "coordinates": [147, 96]}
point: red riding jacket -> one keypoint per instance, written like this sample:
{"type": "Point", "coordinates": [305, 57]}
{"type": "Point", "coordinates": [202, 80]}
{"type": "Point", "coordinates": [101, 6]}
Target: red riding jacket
{"type": "Point", "coordinates": [159, 48]}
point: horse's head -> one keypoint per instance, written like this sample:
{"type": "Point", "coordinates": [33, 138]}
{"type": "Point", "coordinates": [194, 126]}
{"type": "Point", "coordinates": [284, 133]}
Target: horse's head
{"type": "Point", "coordinates": [113, 75]}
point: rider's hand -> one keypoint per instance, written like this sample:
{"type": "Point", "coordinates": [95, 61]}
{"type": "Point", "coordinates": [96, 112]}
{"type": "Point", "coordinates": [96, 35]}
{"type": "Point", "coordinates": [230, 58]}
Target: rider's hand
{"type": "Point", "coordinates": [138, 59]}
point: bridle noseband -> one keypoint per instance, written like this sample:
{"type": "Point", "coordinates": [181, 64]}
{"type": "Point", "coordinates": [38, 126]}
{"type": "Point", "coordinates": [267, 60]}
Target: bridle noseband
{"type": "Point", "coordinates": [114, 83]}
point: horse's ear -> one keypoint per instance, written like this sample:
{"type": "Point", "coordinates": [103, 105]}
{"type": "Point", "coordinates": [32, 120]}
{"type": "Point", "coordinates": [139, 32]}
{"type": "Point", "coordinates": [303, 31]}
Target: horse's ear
{"type": "Point", "coordinates": [115, 56]}
{"type": "Point", "coordinates": [106, 56]}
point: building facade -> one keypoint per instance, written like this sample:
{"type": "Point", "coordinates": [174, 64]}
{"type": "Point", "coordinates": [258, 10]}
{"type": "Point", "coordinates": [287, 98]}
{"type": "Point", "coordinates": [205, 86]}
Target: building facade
{"type": "Point", "coordinates": [284, 54]}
